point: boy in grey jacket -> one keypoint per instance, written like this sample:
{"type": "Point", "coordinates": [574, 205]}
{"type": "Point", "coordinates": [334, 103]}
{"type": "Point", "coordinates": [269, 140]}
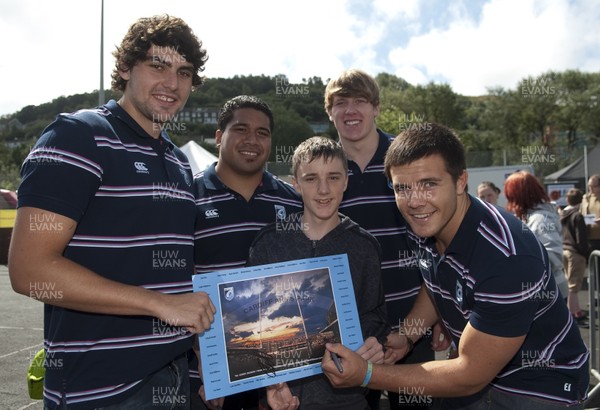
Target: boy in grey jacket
{"type": "Point", "coordinates": [319, 168]}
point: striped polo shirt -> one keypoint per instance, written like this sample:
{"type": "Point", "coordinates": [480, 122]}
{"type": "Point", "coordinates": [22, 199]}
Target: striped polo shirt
{"type": "Point", "coordinates": [369, 201]}
{"type": "Point", "coordinates": [226, 223]}
{"type": "Point", "coordinates": [494, 275]}
{"type": "Point", "coordinates": [132, 198]}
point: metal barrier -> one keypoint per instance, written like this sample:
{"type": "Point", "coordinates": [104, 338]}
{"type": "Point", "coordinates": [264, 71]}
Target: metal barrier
{"type": "Point", "coordinates": [593, 280]}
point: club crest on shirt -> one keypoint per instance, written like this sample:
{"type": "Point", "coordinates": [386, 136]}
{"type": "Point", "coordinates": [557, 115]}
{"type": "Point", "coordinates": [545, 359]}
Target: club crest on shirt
{"type": "Point", "coordinates": [280, 213]}
{"type": "Point", "coordinates": [459, 292]}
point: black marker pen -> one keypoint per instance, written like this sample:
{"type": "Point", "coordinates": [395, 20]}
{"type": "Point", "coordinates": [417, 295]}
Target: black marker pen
{"type": "Point", "coordinates": [337, 362]}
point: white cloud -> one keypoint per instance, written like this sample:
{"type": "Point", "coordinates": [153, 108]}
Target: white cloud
{"type": "Point", "coordinates": [52, 48]}
{"type": "Point", "coordinates": [513, 39]}
{"type": "Point", "coordinates": [56, 44]}
{"type": "Point", "coordinates": [42, 53]}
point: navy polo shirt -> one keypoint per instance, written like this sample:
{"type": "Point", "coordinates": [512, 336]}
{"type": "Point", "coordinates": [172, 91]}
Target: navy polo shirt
{"type": "Point", "coordinates": [226, 223]}
{"type": "Point", "coordinates": [369, 201]}
{"type": "Point", "coordinates": [132, 198]}
{"type": "Point", "coordinates": [495, 276]}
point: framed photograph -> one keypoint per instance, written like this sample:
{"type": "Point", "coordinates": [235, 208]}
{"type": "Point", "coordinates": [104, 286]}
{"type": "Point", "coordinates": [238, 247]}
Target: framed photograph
{"type": "Point", "coordinates": [272, 322]}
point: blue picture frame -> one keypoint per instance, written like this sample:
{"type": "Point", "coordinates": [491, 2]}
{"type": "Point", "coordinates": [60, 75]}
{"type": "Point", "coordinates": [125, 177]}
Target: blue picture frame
{"type": "Point", "coordinates": [272, 322]}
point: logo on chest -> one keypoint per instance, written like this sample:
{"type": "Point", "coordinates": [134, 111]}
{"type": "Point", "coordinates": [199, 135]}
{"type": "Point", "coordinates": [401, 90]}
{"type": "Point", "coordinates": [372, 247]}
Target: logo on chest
{"type": "Point", "coordinates": [140, 167]}
{"type": "Point", "coordinates": [280, 213]}
{"type": "Point", "coordinates": [459, 292]}
{"type": "Point", "coordinates": [211, 213]}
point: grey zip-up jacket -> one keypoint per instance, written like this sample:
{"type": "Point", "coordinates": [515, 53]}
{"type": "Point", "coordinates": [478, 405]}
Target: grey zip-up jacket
{"type": "Point", "coordinates": [284, 241]}
{"type": "Point", "coordinates": [544, 222]}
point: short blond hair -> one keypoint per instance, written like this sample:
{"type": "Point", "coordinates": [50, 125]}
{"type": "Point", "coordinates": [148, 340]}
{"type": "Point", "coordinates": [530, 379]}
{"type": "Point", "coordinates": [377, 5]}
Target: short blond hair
{"type": "Point", "coordinates": [352, 83]}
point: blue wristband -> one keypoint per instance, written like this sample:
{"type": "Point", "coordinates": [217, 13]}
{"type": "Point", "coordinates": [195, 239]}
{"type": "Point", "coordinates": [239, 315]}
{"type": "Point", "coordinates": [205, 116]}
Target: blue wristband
{"type": "Point", "coordinates": [368, 375]}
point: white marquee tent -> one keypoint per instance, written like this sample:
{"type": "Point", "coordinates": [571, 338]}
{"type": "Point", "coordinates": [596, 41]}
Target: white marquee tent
{"type": "Point", "coordinates": [199, 157]}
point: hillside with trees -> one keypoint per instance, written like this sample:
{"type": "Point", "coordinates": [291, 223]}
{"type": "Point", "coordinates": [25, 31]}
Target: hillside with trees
{"type": "Point", "coordinates": [554, 114]}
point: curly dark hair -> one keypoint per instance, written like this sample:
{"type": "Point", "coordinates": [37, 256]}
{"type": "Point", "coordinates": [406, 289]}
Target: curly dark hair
{"type": "Point", "coordinates": [165, 31]}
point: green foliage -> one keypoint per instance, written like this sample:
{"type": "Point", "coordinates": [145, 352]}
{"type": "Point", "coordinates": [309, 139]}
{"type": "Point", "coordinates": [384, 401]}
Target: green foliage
{"type": "Point", "coordinates": [11, 158]}
{"type": "Point", "coordinates": [557, 111]}
{"type": "Point", "coordinates": [389, 120]}
{"type": "Point", "coordinates": [290, 130]}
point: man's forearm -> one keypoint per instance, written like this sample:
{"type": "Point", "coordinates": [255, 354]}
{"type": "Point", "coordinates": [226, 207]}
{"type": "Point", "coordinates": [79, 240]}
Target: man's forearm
{"type": "Point", "coordinates": [444, 378]}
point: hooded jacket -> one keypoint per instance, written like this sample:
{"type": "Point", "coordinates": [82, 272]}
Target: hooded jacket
{"type": "Point", "coordinates": [544, 222]}
{"type": "Point", "coordinates": [575, 238]}
{"type": "Point", "coordinates": [284, 241]}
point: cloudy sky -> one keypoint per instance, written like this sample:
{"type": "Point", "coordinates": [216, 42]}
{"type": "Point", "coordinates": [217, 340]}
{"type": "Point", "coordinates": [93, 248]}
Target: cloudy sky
{"type": "Point", "coordinates": [52, 48]}
{"type": "Point", "coordinates": [270, 304]}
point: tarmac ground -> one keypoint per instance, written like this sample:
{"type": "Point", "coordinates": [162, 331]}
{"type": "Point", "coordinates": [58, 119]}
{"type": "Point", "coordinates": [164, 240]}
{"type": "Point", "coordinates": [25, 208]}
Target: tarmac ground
{"type": "Point", "coordinates": [21, 336]}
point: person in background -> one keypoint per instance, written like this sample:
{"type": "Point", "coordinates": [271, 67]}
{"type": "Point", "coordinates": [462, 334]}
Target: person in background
{"type": "Point", "coordinates": [576, 250]}
{"type": "Point", "coordinates": [527, 199]}
{"type": "Point", "coordinates": [489, 192]}
{"type": "Point", "coordinates": [488, 280]}
{"type": "Point", "coordinates": [320, 176]}
{"type": "Point", "coordinates": [352, 104]}
{"type": "Point", "coordinates": [557, 200]}
{"type": "Point", "coordinates": [106, 219]}
{"type": "Point", "coordinates": [235, 198]}
{"type": "Point", "coordinates": [590, 206]}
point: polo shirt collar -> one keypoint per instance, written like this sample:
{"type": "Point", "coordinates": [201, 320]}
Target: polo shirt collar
{"type": "Point", "coordinates": [122, 115]}
{"type": "Point", "coordinates": [382, 147]}
{"type": "Point", "coordinates": [213, 182]}
{"type": "Point", "coordinates": [461, 243]}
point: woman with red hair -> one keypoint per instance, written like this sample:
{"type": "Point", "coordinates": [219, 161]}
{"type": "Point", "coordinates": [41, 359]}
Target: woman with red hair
{"type": "Point", "coordinates": [528, 200]}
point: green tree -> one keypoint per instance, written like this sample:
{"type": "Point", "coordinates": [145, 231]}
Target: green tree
{"type": "Point", "coordinates": [591, 121]}
{"type": "Point", "coordinates": [537, 98]}
{"type": "Point", "coordinates": [575, 101]}
{"type": "Point", "coordinates": [389, 120]}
